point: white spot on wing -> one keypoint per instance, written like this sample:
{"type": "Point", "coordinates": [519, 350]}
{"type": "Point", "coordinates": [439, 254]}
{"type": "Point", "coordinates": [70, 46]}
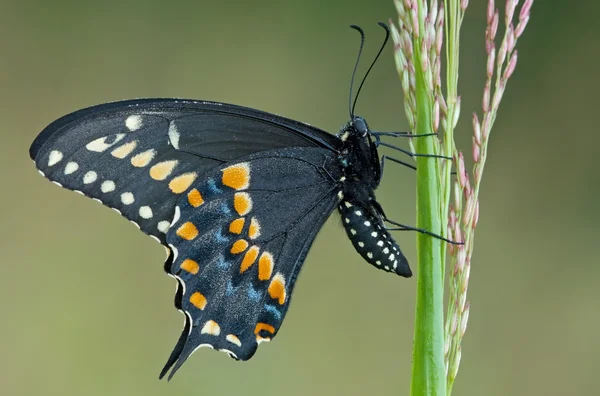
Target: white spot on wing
{"type": "Point", "coordinates": [211, 327]}
{"type": "Point", "coordinates": [133, 122]}
{"type": "Point", "coordinates": [107, 186]}
{"type": "Point", "coordinates": [163, 226]}
{"type": "Point", "coordinates": [90, 177]}
{"type": "Point", "coordinates": [361, 244]}
{"type": "Point", "coordinates": [233, 339]}
{"type": "Point", "coordinates": [174, 135]}
{"type": "Point", "coordinates": [54, 157]}
{"type": "Point", "coordinates": [71, 167]}
{"type": "Point", "coordinates": [127, 198]}
{"type": "Point", "coordinates": [146, 212]}
{"type": "Point", "coordinates": [99, 145]}
{"type": "Point", "coordinates": [176, 215]}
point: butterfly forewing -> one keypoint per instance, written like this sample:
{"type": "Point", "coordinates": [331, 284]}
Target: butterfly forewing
{"type": "Point", "coordinates": [239, 238]}
{"type": "Point", "coordinates": [139, 156]}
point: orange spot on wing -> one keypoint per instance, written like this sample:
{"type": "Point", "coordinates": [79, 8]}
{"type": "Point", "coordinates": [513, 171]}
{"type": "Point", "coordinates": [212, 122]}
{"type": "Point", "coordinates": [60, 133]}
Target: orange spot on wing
{"type": "Point", "coordinates": [236, 226]}
{"type": "Point", "coordinates": [162, 170]}
{"type": "Point", "coordinates": [242, 203]}
{"type": "Point", "coordinates": [237, 176]}
{"type": "Point", "coordinates": [190, 266]}
{"type": "Point", "coordinates": [195, 198]}
{"type": "Point", "coordinates": [182, 182]}
{"type": "Point", "coordinates": [264, 326]}
{"type": "Point", "coordinates": [239, 246]}
{"type": "Point", "coordinates": [249, 258]}
{"type": "Point", "coordinates": [142, 159]}
{"type": "Point", "coordinates": [277, 288]}
{"type": "Point", "coordinates": [254, 229]}
{"type": "Point", "coordinates": [265, 266]}
{"type": "Point", "coordinates": [198, 300]}
{"type": "Point", "coordinates": [124, 150]}
{"type": "Point", "coordinates": [187, 231]}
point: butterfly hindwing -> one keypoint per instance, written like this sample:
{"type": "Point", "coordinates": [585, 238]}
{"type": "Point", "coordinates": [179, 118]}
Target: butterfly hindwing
{"type": "Point", "coordinates": [238, 240]}
{"type": "Point", "coordinates": [139, 156]}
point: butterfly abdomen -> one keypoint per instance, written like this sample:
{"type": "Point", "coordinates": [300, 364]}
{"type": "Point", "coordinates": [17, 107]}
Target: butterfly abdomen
{"type": "Point", "coordinates": [371, 239]}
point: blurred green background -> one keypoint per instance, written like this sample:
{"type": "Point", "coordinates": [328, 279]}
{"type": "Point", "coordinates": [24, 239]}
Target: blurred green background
{"type": "Point", "coordinates": [85, 308]}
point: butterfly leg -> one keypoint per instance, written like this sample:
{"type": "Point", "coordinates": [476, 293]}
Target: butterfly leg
{"type": "Point", "coordinates": [402, 134]}
{"type": "Point", "coordinates": [402, 227]}
{"type": "Point", "coordinates": [378, 143]}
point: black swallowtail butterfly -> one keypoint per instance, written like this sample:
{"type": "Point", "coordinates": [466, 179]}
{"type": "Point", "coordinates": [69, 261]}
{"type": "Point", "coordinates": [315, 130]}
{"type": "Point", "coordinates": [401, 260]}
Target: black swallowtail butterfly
{"type": "Point", "coordinates": [236, 195]}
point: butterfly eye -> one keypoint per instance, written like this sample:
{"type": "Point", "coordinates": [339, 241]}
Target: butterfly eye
{"type": "Point", "coordinates": [361, 126]}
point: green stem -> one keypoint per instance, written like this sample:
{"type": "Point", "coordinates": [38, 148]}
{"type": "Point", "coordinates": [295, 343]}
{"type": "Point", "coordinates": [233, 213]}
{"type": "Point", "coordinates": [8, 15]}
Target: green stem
{"type": "Point", "coordinates": [428, 370]}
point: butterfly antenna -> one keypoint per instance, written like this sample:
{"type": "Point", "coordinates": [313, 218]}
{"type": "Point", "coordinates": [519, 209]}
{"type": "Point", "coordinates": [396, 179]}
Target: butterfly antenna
{"type": "Point", "coordinates": [387, 36]}
{"type": "Point", "coordinates": [362, 42]}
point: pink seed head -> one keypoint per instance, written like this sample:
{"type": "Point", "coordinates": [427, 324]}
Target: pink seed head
{"type": "Point", "coordinates": [521, 26]}
{"type": "Point", "coordinates": [457, 199]}
{"type": "Point", "coordinates": [434, 11]}
{"type": "Point", "coordinates": [476, 150]}
{"type": "Point", "coordinates": [486, 97]}
{"type": "Point", "coordinates": [439, 39]}
{"type": "Point", "coordinates": [510, 38]}
{"type": "Point", "coordinates": [453, 324]}
{"type": "Point", "coordinates": [476, 129]}
{"type": "Point", "coordinates": [415, 21]}
{"type": "Point", "coordinates": [465, 319]}
{"type": "Point", "coordinates": [526, 9]}
{"type": "Point", "coordinates": [462, 173]}
{"type": "Point", "coordinates": [456, 114]}
{"type": "Point", "coordinates": [490, 62]}
{"type": "Point", "coordinates": [475, 215]}
{"type": "Point", "coordinates": [464, 4]}
{"type": "Point", "coordinates": [510, 10]}
{"type": "Point", "coordinates": [494, 25]}
{"type": "Point", "coordinates": [512, 63]}
{"type": "Point", "coordinates": [490, 10]}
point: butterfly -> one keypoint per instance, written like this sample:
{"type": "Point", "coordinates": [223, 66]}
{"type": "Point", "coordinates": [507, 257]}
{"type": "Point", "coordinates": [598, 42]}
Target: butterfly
{"type": "Point", "coordinates": [236, 195]}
